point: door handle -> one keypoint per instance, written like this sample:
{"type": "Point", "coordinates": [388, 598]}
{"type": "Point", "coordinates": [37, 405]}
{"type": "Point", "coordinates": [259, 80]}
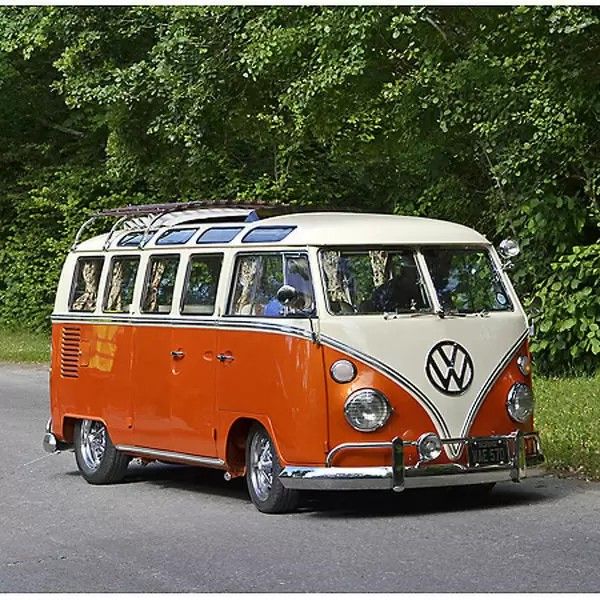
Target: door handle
{"type": "Point", "coordinates": [225, 357]}
{"type": "Point", "coordinates": [177, 354]}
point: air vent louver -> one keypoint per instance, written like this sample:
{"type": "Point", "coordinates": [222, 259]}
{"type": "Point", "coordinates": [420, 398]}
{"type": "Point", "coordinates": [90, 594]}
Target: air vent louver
{"type": "Point", "coordinates": [69, 352]}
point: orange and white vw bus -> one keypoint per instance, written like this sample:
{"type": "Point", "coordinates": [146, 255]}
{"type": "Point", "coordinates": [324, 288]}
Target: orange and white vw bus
{"type": "Point", "coordinates": [323, 351]}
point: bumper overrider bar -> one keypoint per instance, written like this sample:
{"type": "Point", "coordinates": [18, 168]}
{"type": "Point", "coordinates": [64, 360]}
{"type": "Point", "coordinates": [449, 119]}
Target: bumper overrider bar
{"type": "Point", "coordinates": [399, 476]}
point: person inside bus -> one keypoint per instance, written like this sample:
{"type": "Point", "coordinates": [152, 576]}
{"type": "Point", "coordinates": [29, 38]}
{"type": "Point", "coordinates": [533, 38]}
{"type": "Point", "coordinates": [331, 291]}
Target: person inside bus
{"type": "Point", "coordinates": [400, 292]}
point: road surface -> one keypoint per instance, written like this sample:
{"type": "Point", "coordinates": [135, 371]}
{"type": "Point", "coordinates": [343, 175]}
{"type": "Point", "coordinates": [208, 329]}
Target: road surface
{"type": "Point", "coordinates": [180, 529]}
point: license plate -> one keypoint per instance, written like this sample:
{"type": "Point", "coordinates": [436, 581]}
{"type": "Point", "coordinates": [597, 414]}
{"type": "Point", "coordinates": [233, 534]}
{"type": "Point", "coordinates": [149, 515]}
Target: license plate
{"type": "Point", "coordinates": [488, 452]}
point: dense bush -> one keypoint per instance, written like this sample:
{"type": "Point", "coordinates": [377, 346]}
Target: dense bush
{"type": "Point", "coordinates": [484, 116]}
{"type": "Point", "coordinates": [569, 326]}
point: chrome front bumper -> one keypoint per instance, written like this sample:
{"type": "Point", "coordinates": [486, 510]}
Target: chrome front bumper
{"type": "Point", "coordinates": [399, 476]}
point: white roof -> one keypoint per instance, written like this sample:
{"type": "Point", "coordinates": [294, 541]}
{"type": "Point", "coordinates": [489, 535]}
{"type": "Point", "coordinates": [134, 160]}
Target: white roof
{"type": "Point", "coordinates": [326, 229]}
{"type": "Point", "coordinates": [318, 229]}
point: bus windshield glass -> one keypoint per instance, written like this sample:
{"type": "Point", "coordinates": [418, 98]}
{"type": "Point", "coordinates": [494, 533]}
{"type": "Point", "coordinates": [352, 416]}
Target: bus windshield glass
{"type": "Point", "coordinates": [465, 280]}
{"type": "Point", "coordinates": [373, 281]}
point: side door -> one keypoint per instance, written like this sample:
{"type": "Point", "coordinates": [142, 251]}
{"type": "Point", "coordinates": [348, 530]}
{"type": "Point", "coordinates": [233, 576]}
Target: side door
{"type": "Point", "coordinates": [192, 393]}
{"type": "Point", "coordinates": [269, 368]}
{"type": "Point", "coordinates": [152, 363]}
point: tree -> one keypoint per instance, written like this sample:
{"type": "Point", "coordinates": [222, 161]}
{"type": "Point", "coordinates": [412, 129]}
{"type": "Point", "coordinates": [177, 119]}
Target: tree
{"type": "Point", "coordinates": [484, 116]}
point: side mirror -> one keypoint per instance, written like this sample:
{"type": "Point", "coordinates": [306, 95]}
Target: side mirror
{"type": "Point", "coordinates": [508, 249]}
{"type": "Point", "coordinates": [286, 293]}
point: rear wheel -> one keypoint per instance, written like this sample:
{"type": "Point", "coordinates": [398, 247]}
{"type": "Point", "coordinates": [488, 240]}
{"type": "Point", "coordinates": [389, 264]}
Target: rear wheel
{"type": "Point", "coordinates": [262, 475]}
{"type": "Point", "coordinates": [97, 458]}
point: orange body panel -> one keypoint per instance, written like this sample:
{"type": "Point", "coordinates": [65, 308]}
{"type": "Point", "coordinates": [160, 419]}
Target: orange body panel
{"type": "Point", "coordinates": [492, 418]}
{"type": "Point", "coordinates": [408, 421]}
{"type": "Point", "coordinates": [128, 378]}
{"type": "Point", "coordinates": [148, 398]}
{"type": "Point", "coordinates": [104, 387]}
{"type": "Point", "coordinates": [277, 379]}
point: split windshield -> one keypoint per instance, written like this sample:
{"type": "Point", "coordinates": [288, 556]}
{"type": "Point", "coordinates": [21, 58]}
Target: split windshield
{"type": "Point", "coordinates": [376, 281]}
{"type": "Point", "coordinates": [465, 280]}
{"type": "Point", "coordinates": [373, 281]}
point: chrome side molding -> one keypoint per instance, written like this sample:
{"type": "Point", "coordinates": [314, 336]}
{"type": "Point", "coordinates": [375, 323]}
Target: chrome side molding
{"type": "Point", "coordinates": [168, 455]}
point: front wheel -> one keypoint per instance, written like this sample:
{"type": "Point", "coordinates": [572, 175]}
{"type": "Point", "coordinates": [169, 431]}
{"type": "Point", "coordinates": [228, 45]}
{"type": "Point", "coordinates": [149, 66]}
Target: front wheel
{"type": "Point", "coordinates": [97, 458]}
{"type": "Point", "coordinates": [262, 475]}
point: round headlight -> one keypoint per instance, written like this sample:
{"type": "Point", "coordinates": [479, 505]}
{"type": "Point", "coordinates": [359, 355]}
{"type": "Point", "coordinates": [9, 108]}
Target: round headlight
{"type": "Point", "coordinates": [342, 371]}
{"type": "Point", "coordinates": [430, 446]}
{"type": "Point", "coordinates": [524, 365]}
{"type": "Point", "coordinates": [520, 402]}
{"type": "Point", "coordinates": [367, 410]}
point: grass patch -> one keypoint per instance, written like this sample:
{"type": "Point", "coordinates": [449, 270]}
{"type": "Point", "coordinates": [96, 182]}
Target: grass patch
{"type": "Point", "coordinates": [24, 346]}
{"type": "Point", "coordinates": [568, 419]}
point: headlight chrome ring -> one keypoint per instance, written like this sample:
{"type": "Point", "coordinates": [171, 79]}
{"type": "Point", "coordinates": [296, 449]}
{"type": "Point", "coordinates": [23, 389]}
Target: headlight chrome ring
{"type": "Point", "coordinates": [520, 403]}
{"type": "Point", "coordinates": [367, 410]}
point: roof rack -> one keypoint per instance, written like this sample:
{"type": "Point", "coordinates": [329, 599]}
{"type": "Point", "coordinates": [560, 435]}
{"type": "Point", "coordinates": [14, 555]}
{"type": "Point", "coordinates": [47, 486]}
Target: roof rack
{"type": "Point", "coordinates": [155, 212]}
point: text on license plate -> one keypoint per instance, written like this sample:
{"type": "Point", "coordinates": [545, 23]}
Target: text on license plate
{"type": "Point", "coordinates": [488, 452]}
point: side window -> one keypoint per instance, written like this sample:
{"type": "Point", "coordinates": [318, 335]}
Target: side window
{"type": "Point", "coordinates": [121, 283]}
{"type": "Point", "coordinates": [160, 283]}
{"type": "Point", "coordinates": [259, 277]}
{"type": "Point", "coordinates": [84, 293]}
{"type": "Point", "coordinates": [201, 285]}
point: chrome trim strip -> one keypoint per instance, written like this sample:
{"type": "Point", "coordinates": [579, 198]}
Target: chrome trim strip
{"type": "Point", "coordinates": [169, 455]}
{"type": "Point", "coordinates": [166, 321]}
{"type": "Point", "coordinates": [356, 446]}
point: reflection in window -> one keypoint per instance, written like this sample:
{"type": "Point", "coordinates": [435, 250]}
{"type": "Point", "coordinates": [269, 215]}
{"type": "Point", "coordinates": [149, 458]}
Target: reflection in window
{"type": "Point", "coordinates": [119, 295]}
{"type": "Point", "coordinates": [373, 282]}
{"type": "Point", "coordinates": [160, 283]}
{"type": "Point", "coordinates": [218, 235]}
{"type": "Point", "coordinates": [258, 279]}
{"type": "Point", "coordinates": [465, 280]}
{"type": "Point", "coordinates": [87, 280]}
{"type": "Point", "coordinates": [201, 285]}
{"type": "Point", "coordinates": [135, 238]}
{"type": "Point", "coordinates": [261, 235]}
{"type": "Point", "coordinates": [176, 236]}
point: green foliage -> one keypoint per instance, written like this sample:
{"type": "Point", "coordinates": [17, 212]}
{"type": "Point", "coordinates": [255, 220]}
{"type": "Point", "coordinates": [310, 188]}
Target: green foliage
{"type": "Point", "coordinates": [569, 326]}
{"type": "Point", "coordinates": [485, 116]}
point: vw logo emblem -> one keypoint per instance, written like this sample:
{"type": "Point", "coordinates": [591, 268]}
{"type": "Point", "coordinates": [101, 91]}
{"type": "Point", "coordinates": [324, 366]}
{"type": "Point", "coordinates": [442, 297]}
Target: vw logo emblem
{"type": "Point", "coordinates": [449, 368]}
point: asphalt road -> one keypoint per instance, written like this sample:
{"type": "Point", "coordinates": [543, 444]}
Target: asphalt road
{"type": "Point", "coordinates": [180, 529]}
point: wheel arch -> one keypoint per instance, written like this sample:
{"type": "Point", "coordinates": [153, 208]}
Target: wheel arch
{"type": "Point", "coordinates": [235, 446]}
{"type": "Point", "coordinates": [69, 421]}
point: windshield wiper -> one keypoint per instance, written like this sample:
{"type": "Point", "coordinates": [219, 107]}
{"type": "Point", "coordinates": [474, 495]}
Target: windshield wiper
{"type": "Point", "coordinates": [410, 313]}
{"type": "Point", "coordinates": [455, 313]}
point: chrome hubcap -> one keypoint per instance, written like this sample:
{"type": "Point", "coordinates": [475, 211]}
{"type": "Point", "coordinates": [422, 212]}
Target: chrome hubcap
{"type": "Point", "coordinates": [93, 443]}
{"type": "Point", "coordinates": [261, 466]}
